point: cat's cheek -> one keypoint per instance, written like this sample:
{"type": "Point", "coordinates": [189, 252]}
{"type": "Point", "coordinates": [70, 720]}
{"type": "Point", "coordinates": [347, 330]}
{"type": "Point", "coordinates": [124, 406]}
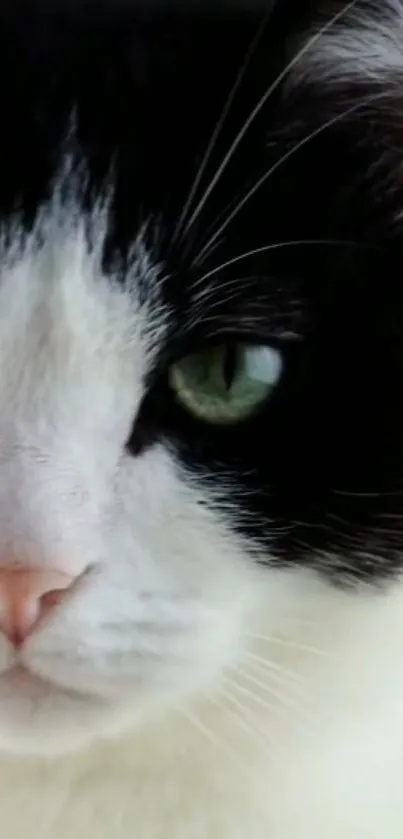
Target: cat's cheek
{"type": "Point", "coordinates": [160, 618]}
{"type": "Point", "coordinates": [121, 640]}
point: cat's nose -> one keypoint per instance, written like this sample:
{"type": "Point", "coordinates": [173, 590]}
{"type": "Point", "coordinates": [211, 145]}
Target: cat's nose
{"type": "Point", "coordinates": [27, 596]}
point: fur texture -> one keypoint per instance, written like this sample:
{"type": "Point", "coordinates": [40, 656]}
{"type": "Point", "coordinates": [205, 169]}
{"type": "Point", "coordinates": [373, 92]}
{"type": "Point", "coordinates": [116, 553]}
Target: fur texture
{"type": "Point", "coordinates": [173, 176]}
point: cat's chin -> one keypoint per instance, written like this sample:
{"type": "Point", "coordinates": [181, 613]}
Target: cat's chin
{"type": "Point", "coordinates": [41, 718]}
{"type": "Point", "coordinates": [23, 682]}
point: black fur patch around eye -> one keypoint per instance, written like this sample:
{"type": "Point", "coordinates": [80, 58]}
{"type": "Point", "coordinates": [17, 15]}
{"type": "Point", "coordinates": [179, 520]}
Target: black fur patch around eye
{"type": "Point", "coordinates": [275, 211]}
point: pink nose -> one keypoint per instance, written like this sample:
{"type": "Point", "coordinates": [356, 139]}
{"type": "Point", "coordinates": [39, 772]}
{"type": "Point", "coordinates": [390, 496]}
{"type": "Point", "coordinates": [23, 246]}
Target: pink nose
{"type": "Point", "coordinates": [27, 596]}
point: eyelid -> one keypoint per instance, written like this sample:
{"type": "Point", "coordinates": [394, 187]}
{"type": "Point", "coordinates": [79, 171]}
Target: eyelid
{"type": "Point", "coordinates": [203, 343]}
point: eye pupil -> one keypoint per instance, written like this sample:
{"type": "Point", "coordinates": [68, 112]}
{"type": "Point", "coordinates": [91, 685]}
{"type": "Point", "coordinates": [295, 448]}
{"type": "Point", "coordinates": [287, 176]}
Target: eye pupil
{"type": "Point", "coordinates": [230, 366]}
{"type": "Point", "coordinates": [226, 384]}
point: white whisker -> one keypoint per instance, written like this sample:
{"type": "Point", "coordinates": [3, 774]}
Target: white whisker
{"type": "Point", "coordinates": [277, 709]}
{"type": "Point", "coordinates": [257, 109]}
{"type": "Point", "coordinates": [293, 645]}
{"type": "Point", "coordinates": [218, 128]}
{"type": "Point", "coordinates": [275, 670]}
{"type": "Point", "coordinates": [239, 717]}
{"type": "Point", "coordinates": [283, 697]}
{"type": "Point", "coordinates": [194, 720]}
{"type": "Point", "coordinates": [272, 247]}
{"type": "Point", "coordinates": [215, 246]}
{"type": "Point", "coordinates": [289, 154]}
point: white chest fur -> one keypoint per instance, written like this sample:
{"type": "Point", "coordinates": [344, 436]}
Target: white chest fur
{"type": "Point", "coordinates": [322, 761]}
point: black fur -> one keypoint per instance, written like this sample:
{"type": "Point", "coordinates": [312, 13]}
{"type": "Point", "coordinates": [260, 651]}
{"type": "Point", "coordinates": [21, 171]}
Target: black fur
{"type": "Point", "coordinates": [318, 474]}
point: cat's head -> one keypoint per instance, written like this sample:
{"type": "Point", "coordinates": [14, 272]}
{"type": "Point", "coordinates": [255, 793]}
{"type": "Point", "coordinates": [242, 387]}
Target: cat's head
{"type": "Point", "coordinates": [200, 342]}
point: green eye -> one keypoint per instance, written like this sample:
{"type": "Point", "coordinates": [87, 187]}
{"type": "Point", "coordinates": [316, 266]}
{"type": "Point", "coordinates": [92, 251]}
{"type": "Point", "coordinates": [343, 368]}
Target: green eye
{"type": "Point", "coordinates": [226, 384]}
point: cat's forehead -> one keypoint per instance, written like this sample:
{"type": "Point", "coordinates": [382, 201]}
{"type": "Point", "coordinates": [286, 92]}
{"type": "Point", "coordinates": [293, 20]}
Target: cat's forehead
{"type": "Point", "coordinates": [175, 111]}
{"type": "Point", "coordinates": [143, 86]}
{"type": "Point", "coordinates": [125, 99]}
{"type": "Point", "coordinates": [64, 53]}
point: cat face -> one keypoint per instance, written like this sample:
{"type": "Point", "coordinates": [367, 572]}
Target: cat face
{"type": "Point", "coordinates": [199, 343]}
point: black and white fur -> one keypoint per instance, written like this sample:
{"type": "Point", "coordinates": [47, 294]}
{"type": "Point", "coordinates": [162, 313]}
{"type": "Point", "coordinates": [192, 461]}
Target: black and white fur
{"type": "Point", "coordinates": [172, 175]}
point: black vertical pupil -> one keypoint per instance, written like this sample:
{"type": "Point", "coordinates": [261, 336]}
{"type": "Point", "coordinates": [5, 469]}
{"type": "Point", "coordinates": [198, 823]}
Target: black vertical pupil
{"type": "Point", "coordinates": [230, 365]}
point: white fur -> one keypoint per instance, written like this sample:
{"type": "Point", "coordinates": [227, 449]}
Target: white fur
{"type": "Point", "coordinates": [183, 691]}
{"type": "Point", "coordinates": [363, 45]}
{"type": "Point", "coordinates": [75, 349]}
{"type": "Point", "coordinates": [318, 757]}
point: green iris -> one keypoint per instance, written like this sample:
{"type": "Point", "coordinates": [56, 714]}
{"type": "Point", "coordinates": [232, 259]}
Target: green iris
{"type": "Point", "coordinates": [226, 384]}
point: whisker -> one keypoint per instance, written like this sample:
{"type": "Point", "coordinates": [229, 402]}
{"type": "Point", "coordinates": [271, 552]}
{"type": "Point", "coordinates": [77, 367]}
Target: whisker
{"type": "Point", "coordinates": [275, 670]}
{"type": "Point", "coordinates": [277, 710]}
{"type": "Point", "coordinates": [194, 720]}
{"type": "Point", "coordinates": [238, 717]}
{"type": "Point", "coordinates": [270, 690]}
{"type": "Point", "coordinates": [267, 248]}
{"type": "Point", "coordinates": [208, 294]}
{"type": "Point", "coordinates": [216, 133]}
{"type": "Point", "coordinates": [229, 290]}
{"type": "Point", "coordinates": [257, 109]}
{"type": "Point", "coordinates": [258, 700]}
{"type": "Point", "coordinates": [292, 645]}
{"type": "Point", "coordinates": [251, 192]}
{"type": "Point", "coordinates": [209, 252]}
{"type": "Point", "coordinates": [273, 676]}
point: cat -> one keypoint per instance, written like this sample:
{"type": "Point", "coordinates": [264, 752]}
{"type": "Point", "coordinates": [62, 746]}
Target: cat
{"type": "Point", "coordinates": [201, 448]}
